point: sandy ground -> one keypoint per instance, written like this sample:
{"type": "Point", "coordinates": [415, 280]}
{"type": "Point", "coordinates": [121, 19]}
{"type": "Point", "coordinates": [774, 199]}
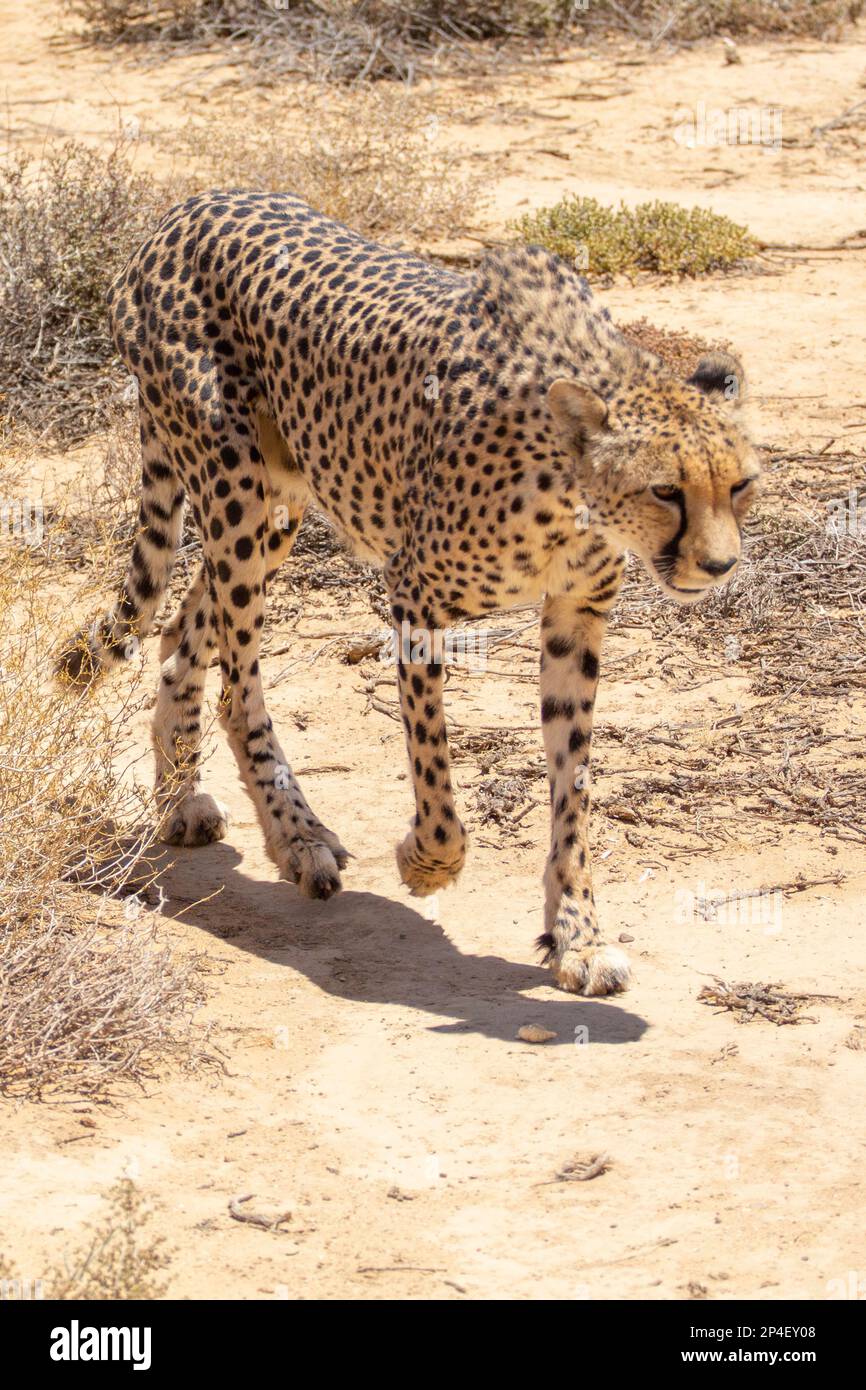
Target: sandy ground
{"type": "Point", "coordinates": [374, 1085]}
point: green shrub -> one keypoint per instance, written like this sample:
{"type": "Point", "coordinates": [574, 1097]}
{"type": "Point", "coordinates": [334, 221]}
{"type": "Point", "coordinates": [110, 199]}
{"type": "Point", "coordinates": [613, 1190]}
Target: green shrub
{"type": "Point", "coordinates": [655, 236]}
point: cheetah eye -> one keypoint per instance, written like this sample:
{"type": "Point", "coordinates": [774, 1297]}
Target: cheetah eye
{"type": "Point", "coordinates": [741, 487]}
{"type": "Point", "coordinates": [667, 493]}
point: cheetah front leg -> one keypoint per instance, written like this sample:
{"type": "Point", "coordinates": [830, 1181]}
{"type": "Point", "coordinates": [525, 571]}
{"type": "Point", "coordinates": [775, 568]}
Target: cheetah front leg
{"type": "Point", "coordinates": [571, 636]}
{"type": "Point", "coordinates": [432, 854]}
{"type": "Point", "coordinates": [304, 850]}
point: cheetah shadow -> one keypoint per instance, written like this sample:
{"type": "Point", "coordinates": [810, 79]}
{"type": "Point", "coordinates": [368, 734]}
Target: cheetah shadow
{"type": "Point", "coordinates": [368, 948]}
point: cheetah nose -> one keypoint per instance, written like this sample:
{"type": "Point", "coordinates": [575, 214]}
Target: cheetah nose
{"type": "Point", "coordinates": [717, 567]}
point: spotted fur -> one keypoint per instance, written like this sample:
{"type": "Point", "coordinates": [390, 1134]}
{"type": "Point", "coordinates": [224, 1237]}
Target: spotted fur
{"type": "Point", "coordinates": [490, 439]}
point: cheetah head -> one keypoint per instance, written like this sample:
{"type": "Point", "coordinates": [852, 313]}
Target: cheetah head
{"type": "Point", "coordinates": [666, 470]}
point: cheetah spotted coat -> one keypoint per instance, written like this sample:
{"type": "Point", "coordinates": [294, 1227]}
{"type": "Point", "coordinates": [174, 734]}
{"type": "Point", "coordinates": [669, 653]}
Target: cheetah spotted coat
{"type": "Point", "coordinates": [490, 439]}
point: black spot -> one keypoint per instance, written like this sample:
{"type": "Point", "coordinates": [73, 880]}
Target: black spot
{"type": "Point", "coordinates": [560, 646]}
{"type": "Point", "coordinates": [589, 665]}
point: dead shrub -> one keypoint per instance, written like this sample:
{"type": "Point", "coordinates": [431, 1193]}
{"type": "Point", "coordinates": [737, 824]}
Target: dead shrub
{"type": "Point", "coordinates": [357, 40]}
{"type": "Point", "coordinates": [68, 221]}
{"type": "Point", "coordinates": [88, 997]}
{"type": "Point", "coordinates": [374, 160]}
{"type": "Point", "coordinates": [120, 1261]}
{"type": "Point", "coordinates": [697, 19]}
{"type": "Point", "coordinates": [338, 40]}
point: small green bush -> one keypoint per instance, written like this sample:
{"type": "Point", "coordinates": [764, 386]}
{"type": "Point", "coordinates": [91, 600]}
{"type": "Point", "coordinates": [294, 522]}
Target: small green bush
{"type": "Point", "coordinates": [656, 236]}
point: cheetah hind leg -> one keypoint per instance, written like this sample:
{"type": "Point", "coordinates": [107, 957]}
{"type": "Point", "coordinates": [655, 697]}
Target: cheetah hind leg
{"type": "Point", "coordinates": [188, 815]}
{"type": "Point", "coordinates": [303, 849]}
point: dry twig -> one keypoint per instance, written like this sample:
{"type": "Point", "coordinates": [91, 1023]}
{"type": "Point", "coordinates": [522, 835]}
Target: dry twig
{"type": "Point", "coordinates": [253, 1218]}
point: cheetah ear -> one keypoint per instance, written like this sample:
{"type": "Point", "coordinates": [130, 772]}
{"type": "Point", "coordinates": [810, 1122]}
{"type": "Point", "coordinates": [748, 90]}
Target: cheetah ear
{"type": "Point", "coordinates": [578, 412]}
{"type": "Point", "coordinates": [721, 377]}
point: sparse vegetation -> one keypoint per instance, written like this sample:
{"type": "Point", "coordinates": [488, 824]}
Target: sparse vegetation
{"type": "Point", "coordinates": [695, 19]}
{"type": "Point", "coordinates": [338, 40]}
{"type": "Point", "coordinates": [657, 236]}
{"type": "Point", "coordinates": [68, 221]}
{"type": "Point", "coordinates": [374, 160]}
{"type": "Point", "coordinates": [358, 40]}
{"type": "Point", "coordinates": [88, 998]}
{"type": "Point", "coordinates": [120, 1261]}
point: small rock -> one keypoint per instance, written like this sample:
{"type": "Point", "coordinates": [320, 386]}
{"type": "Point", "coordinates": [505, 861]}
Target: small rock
{"type": "Point", "coordinates": [625, 936]}
{"type": "Point", "coordinates": [532, 1033]}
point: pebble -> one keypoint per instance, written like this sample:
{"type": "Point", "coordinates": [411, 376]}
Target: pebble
{"type": "Point", "coordinates": [532, 1033]}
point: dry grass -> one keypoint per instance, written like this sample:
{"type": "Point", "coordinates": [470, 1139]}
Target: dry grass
{"type": "Point", "coordinates": [88, 997]}
{"type": "Point", "coordinates": [121, 1260]}
{"type": "Point", "coordinates": [68, 221]}
{"type": "Point", "coordinates": [375, 160]}
{"type": "Point", "coordinates": [337, 40]}
{"type": "Point", "coordinates": [360, 40]}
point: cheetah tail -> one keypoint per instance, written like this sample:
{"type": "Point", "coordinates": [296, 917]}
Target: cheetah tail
{"type": "Point", "coordinates": [116, 637]}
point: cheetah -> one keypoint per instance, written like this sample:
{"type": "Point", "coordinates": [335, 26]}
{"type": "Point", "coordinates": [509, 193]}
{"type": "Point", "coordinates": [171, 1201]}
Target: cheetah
{"type": "Point", "coordinates": [489, 438]}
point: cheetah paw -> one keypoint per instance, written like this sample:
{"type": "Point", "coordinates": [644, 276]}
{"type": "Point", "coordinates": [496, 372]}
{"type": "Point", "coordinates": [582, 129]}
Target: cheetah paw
{"type": "Point", "coordinates": [424, 873]}
{"type": "Point", "coordinates": [592, 970]}
{"type": "Point", "coordinates": [313, 866]}
{"type": "Point", "coordinates": [199, 820]}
